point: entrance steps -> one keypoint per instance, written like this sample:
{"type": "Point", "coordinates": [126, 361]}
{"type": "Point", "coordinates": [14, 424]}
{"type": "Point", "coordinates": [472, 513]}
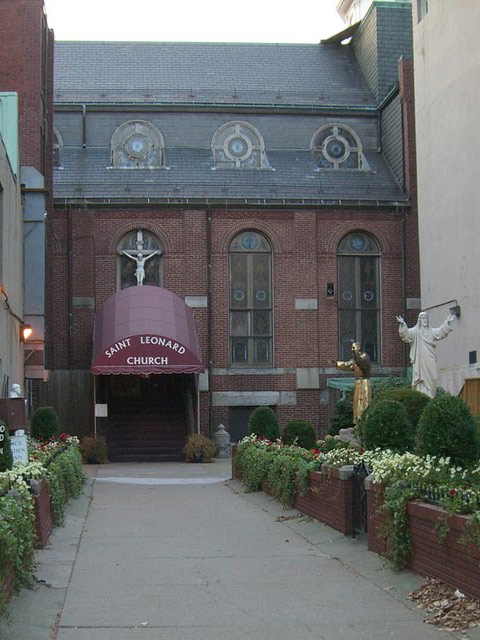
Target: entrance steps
{"type": "Point", "coordinates": [147, 438]}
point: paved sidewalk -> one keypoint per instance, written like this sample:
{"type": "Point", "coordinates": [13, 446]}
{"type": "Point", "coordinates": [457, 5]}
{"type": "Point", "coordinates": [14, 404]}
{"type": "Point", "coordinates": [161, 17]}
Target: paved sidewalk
{"type": "Point", "coordinates": [178, 552]}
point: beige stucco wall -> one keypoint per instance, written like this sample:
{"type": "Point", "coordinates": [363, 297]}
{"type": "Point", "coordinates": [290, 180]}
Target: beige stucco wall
{"type": "Point", "coordinates": [447, 99]}
{"type": "Point", "coordinates": [11, 273]}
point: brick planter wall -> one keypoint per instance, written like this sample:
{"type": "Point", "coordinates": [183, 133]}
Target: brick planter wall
{"type": "Point", "coordinates": [376, 539]}
{"type": "Point", "coordinates": [43, 513]}
{"type": "Point", "coordinates": [329, 499]}
{"type": "Point", "coordinates": [6, 585]}
{"type": "Point", "coordinates": [236, 475]}
{"type": "Point", "coordinates": [448, 558]}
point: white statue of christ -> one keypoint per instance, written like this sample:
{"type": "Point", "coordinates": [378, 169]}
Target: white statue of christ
{"type": "Point", "coordinates": [423, 357]}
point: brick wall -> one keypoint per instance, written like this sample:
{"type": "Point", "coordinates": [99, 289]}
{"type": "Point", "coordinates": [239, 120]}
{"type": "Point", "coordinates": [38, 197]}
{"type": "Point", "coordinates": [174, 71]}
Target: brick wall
{"type": "Point", "coordinates": [43, 514]}
{"type": "Point", "coordinates": [26, 66]}
{"type": "Point", "coordinates": [447, 556]}
{"type": "Point", "coordinates": [304, 260]}
{"type": "Point", "coordinates": [304, 245]}
{"type": "Point", "coordinates": [329, 499]}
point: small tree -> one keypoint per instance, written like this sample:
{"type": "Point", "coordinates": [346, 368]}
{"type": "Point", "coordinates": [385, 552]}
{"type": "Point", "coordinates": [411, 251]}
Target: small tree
{"type": "Point", "coordinates": [263, 423]}
{"type": "Point", "coordinates": [300, 432]}
{"type": "Point", "coordinates": [447, 428]}
{"type": "Point", "coordinates": [45, 423]}
{"type": "Point", "coordinates": [6, 458]}
{"type": "Point", "coordinates": [386, 424]}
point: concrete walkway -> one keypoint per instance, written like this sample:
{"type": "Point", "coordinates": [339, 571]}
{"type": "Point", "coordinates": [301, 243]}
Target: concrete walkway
{"type": "Point", "coordinates": [179, 552]}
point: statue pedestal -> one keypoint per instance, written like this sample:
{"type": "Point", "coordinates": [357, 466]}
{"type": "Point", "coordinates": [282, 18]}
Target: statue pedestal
{"type": "Point", "coordinates": [12, 412]}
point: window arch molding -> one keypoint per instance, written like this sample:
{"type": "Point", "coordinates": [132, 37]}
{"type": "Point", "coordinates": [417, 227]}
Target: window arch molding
{"type": "Point", "coordinates": [139, 259]}
{"type": "Point", "coordinates": [239, 145]}
{"type": "Point", "coordinates": [137, 144]}
{"type": "Point", "coordinates": [250, 300]}
{"type": "Point", "coordinates": [337, 146]}
{"type": "Point", "coordinates": [359, 294]}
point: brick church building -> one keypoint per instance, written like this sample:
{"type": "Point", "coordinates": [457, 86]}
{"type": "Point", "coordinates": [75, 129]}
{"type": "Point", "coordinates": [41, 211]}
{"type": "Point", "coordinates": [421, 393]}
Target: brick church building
{"type": "Point", "coordinates": [228, 219]}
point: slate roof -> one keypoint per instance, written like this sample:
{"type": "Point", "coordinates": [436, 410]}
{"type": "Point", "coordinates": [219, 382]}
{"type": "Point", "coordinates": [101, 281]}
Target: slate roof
{"type": "Point", "coordinates": [175, 73]}
{"type": "Point", "coordinates": [142, 72]}
{"type": "Point", "coordinates": [86, 175]}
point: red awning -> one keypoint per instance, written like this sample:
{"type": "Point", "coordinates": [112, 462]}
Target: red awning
{"type": "Point", "coordinates": [143, 330]}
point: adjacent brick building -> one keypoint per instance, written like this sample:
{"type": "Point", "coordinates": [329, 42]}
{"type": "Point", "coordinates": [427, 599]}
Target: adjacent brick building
{"type": "Point", "coordinates": [26, 69]}
{"type": "Point", "coordinates": [270, 187]}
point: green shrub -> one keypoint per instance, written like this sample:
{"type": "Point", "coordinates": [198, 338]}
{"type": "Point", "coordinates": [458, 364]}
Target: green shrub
{"type": "Point", "coordinates": [393, 382]}
{"type": "Point", "coordinates": [199, 448]}
{"type": "Point", "coordinates": [65, 479]}
{"type": "Point", "coordinates": [332, 444]}
{"type": "Point", "coordinates": [299, 432]}
{"type": "Point", "coordinates": [447, 428]}
{"type": "Point", "coordinates": [342, 417]}
{"type": "Point", "coordinates": [93, 450]}
{"type": "Point", "coordinates": [263, 423]}
{"type": "Point", "coordinates": [413, 401]}
{"type": "Point", "coordinates": [386, 424]}
{"type": "Point", "coordinates": [6, 458]}
{"type": "Point", "coordinates": [45, 423]}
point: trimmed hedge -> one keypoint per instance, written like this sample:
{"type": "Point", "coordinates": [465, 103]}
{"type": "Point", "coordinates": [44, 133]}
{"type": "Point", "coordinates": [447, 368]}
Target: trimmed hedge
{"type": "Point", "coordinates": [45, 424]}
{"type": "Point", "coordinates": [263, 422]}
{"type": "Point", "coordinates": [299, 432]}
{"type": "Point", "coordinates": [447, 428]}
{"type": "Point", "coordinates": [385, 424]}
{"type": "Point", "coordinates": [413, 401]}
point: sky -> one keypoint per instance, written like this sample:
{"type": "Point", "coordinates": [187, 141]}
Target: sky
{"type": "Point", "coordinates": [302, 21]}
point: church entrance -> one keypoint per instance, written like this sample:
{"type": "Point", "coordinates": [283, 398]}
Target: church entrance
{"type": "Point", "coordinates": [149, 416]}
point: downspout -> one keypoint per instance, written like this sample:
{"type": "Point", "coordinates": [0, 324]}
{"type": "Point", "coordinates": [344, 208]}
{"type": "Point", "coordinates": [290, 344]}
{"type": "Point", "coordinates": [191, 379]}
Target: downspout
{"type": "Point", "coordinates": [70, 287]}
{"type": "Point", "coordinates": [84, 126]}
{"type": "Point", "coordinates": [208, 215]}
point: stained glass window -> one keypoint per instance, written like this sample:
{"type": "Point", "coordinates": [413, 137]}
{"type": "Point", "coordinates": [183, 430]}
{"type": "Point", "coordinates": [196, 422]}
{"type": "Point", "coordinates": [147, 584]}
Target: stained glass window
{"type": "Point", "coordinates": [137, 144]}
{"type": "Point", "coordinates": [239, 145]}
{"type": "Point", "coordinates": [358, 295]}
{"type": "Point", "coordinates": [250, 272]}
{"type": "Point", "coordinates": [337, 147]}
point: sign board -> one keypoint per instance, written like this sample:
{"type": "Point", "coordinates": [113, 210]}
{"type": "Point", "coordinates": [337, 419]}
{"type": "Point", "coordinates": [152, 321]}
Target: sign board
{"type": "Point", "coordinates": [101, 410]}
{"type": "Point", "coordinates": [18, 445]}
{"type": "Point", "coordinates": [147, 353]}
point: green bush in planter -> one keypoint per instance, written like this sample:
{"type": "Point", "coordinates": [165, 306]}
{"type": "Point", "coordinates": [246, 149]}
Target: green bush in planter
{"type": "Point", "coordinates": [447, 428]}
{"type": "Point", "coordinates": [93, 450]}
{"type": "Point", "coordinates": [299, 432]}
{"type": "Point", "coordinates": [6, 458]}
{"type": "Point", "coordinates": [263, 423]}
{"type": "Point", "coordinates": [45, 424]}
{"type": "Point", "coordinates": [385, 424]}
{"type": "Point", "coordinates": [413, 401]}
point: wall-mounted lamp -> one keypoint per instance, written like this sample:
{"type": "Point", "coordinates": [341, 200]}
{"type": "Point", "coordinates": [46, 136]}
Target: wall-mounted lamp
{"type": "Point", "coordinates": [455, 311]}
{"type": "Point", "coordinates": [25, 332]}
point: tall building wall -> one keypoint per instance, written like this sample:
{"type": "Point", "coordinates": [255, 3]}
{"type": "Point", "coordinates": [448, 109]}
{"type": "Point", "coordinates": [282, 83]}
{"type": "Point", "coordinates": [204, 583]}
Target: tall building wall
{"type": "Point", "coordinates": [447, 98]}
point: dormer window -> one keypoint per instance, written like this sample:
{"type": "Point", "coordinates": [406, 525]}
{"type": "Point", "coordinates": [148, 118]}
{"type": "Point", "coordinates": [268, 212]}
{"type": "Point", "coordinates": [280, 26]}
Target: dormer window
{"type": "Point", "coordinates": [337, 147]}
{"type": "Point", "coordinates": [137, 144]}
{"type": "Point", "coordinates": [238, 145]}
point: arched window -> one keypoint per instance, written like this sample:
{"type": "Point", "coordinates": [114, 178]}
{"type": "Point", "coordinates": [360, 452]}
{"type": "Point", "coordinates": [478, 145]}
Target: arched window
{"type": "Point", "coordinates": [336, 146]}
{"type": "Point", "coordinates": [251, 328]}
{"type": "Point", "coordinates": [137, 144]}
{"type": "Point", "coordinates": [358, 295]}
{"type": "Point", "coordinates": [238, 145]}
{"type": "Point", "coordinates": [57, 148]}
{"type": "Point", "coordinates": [139, 260]}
